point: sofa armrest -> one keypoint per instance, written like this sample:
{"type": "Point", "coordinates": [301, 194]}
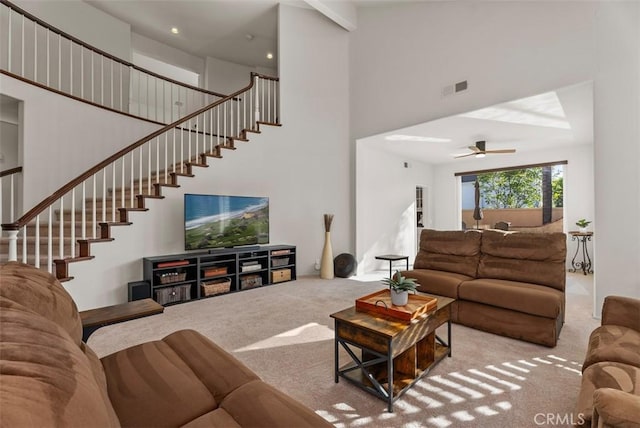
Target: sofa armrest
{"type": "Point", "coordinates": [613, 408]}
{"type": "Point", "coordinates": [622, 311]}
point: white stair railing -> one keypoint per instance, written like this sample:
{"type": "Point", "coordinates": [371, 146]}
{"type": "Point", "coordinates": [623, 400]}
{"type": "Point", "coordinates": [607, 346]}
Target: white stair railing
{"type": "Point", "coordinates": [103, 195]}
{"type": "Point", "coordinates": [32, 50]}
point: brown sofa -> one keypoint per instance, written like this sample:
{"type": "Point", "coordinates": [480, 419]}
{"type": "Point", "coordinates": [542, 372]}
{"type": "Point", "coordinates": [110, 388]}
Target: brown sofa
{"type": "Point", "coordinates": [610, 391]}
{"type": "Point", "coordinates": [49, 377]}
{"type": "Point", "coordinates": [508, 283]}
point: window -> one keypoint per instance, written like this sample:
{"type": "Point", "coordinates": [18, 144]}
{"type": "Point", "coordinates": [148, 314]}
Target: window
{"type": "Point", "coordinates": [528, 197]}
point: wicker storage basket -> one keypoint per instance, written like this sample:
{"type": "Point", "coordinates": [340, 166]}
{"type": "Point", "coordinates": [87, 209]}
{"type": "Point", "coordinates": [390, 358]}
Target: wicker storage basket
{"type": "Point", "coordinates": [280, 261]}
{"type": "Point", "coordinates": [171, 277]}
{"type": "Point", "coordinates": [216, 286]}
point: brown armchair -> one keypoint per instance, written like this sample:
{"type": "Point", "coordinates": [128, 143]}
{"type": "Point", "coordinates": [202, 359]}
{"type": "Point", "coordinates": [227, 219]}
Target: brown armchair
{"type": "Point", "coordinates": [610, 391]}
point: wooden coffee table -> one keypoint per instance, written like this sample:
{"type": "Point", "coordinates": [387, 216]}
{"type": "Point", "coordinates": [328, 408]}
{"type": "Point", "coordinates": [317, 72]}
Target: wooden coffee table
{"type": "Point", "coordinates": [392, 352]}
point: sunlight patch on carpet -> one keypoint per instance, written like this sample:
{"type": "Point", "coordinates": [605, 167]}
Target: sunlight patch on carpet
{"type": "Point", "coordinates": [308, 333]}
{"type": "Point", "coordinates": [459, 396]}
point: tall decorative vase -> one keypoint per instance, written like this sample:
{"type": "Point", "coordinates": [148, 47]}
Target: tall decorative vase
{"type": "Point", "coordinates": [326, 262]}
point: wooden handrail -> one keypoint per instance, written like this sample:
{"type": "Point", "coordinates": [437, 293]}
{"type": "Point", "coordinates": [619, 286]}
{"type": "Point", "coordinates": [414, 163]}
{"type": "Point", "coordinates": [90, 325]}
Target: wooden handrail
{"type": "Point", "coordinates": [73, 97]}
{"type": "Point", "coordinates": [31, 214]}
{"type": "Point", "coordinates": [10, 171]}
{"type": "Point", "coordinates": [103, 53]}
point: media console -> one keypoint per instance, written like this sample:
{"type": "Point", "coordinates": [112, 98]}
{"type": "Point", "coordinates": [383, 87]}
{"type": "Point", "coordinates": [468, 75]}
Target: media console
{"type": "Point", "coordinates": [179, 278]}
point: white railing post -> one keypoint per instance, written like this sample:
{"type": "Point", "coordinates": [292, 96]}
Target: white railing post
{"type": "Point", "coordinates": [257, 112]}
{"type": "Point", "coordinates": [13, 245]}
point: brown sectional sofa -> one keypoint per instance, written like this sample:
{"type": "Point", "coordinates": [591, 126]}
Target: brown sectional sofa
{"type": "Point", "coordinates": [49, 377]}
{"type": "Point", "coordinates": [508, 283]}
{"type": "Point", "coordinates": [610, 391]}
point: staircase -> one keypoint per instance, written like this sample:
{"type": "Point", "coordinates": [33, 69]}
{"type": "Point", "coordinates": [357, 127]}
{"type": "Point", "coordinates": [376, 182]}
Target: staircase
{"type": "Point", "coordinates": [62, 229]}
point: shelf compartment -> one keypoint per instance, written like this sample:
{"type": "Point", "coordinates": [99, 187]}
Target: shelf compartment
{"type": "Point", "coordinates": [215, 286]}
{"type": "Point", "coordinates": [175, 294]}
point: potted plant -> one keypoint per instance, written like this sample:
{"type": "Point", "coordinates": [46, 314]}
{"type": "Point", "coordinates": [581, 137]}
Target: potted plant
{"type": "Point", "coordinates": [582, 224]}
{"type": "Point", "coordinates": [399, 287]}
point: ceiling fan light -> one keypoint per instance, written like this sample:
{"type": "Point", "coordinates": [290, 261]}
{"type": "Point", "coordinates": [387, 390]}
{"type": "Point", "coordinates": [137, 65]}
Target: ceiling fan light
{"type": "Point", "coordinates": [480, 155]}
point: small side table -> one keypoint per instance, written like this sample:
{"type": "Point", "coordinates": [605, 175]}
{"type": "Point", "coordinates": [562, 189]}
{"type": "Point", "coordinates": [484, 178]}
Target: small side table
{"type": "Point", "coordinates": [393, 258]}
{"type": "Point", "coordinates": [585, 265]}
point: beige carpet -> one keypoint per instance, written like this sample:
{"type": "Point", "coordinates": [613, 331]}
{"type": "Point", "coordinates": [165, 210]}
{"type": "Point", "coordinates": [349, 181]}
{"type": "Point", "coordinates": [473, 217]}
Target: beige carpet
{"type": "Point", "coordinates": [284, 333]}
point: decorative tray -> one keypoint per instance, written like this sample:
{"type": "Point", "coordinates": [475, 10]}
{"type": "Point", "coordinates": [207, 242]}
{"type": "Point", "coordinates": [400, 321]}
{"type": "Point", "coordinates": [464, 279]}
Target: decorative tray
{"type": "Point", "coordinates": [379, 303]}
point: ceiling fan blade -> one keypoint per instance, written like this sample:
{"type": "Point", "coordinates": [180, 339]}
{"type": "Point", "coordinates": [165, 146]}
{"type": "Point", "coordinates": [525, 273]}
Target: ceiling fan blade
{"type": "Point", "coordinates": [464, 156]}
{"type": "Point", "coordinates": [501, 151]}
{"type": "Point", "coordinates": [474, 149]}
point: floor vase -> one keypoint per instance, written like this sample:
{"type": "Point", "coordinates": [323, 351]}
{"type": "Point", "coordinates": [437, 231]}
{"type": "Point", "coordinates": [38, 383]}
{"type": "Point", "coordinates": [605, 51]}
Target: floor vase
{"type": "Point", "coordinates": [326, 263]}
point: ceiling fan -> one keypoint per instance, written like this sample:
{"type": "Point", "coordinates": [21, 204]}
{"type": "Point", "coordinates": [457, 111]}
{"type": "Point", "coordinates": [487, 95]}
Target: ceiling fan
{"type": "Point", "coordinates": [479, 150]}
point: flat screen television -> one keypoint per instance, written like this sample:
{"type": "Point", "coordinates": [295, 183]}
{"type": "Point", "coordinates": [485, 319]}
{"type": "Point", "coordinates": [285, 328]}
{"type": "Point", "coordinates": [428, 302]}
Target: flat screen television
{"type": "Point", "coordinates": [219, 221]}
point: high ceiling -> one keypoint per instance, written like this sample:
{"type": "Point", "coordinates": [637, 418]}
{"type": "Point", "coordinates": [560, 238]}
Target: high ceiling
{"type": "Point", "coordinates": [546, 121]}
{"type": "Point", "coordinates": [244, 31]}
{"type": "Point", "coordinates": [239, 31]}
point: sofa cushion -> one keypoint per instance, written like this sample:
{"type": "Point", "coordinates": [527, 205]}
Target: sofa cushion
{"type": "Point", "coordinates": [537, 258]}
{"type": "Point", "coordinates": [171, 381]}
{"type": "Point", "coordinates": [437, 282]}
{"type": "Point", "coordinates": [257, 404]}
{"type": "Point", "coordinates": [215, 418]}
{"type": "Point", "coordinates": [518, 296]}
{"type": "Point", "coordinates": [43, 294]}
{"type": "Point", "coordinates": [449, 250]}
{"type": "Point", "coordinates": [613, 343]}
{"type": "Point", "coordinates": [509, 323]}
{"type": "Point", "coordinates": [616, 408]}
{"type": "Point", "coordinates": [46, 379]}
{"type": "Point", "coordinates": [618, 376]}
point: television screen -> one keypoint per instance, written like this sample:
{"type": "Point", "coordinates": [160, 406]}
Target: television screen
{"type": "Point", "coordinates": [215, 221]}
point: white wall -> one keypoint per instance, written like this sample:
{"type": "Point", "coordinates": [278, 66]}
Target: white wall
{"type": "Point", "coordinates": [84, 22]}
{"type": "Point", "coordinates": [385, 205]}
{"type": "Point", "coordinates": [303, 167]}
{"type": "Point", "coordinates": [167, 54]}
{"type": "Point", "coordinates": [403, 56]}
{"type": "Point", "coordinates": [62, 138]}
{"type": "Point", "coordinates": [227, 77]}
{"type": "Point", "coordinates": [617, 150]}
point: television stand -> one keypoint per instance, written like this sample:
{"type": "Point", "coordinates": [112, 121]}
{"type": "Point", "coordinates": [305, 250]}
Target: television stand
{"type": "Point", "coordinates": [183, 277]}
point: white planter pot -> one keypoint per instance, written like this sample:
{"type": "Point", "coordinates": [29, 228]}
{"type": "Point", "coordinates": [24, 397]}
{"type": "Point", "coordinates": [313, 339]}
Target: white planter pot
{"type": "Point", "coordinates": [399, 298]}
{"type": "Point", "coordinates": [582, 230]}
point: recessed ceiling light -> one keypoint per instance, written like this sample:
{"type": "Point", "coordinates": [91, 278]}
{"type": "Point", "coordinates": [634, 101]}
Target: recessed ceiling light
{"type": "Point", "coordinates": [399, 137]}
{"type": "Point", "coordinates": [269, 55]}
{"type": "Point", "coordinates": [175, 30]}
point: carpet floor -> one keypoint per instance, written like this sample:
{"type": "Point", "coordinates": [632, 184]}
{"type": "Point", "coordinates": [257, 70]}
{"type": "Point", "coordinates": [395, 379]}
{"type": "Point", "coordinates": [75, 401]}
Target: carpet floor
{"type": "Point", "coordinates": [284, 333]}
